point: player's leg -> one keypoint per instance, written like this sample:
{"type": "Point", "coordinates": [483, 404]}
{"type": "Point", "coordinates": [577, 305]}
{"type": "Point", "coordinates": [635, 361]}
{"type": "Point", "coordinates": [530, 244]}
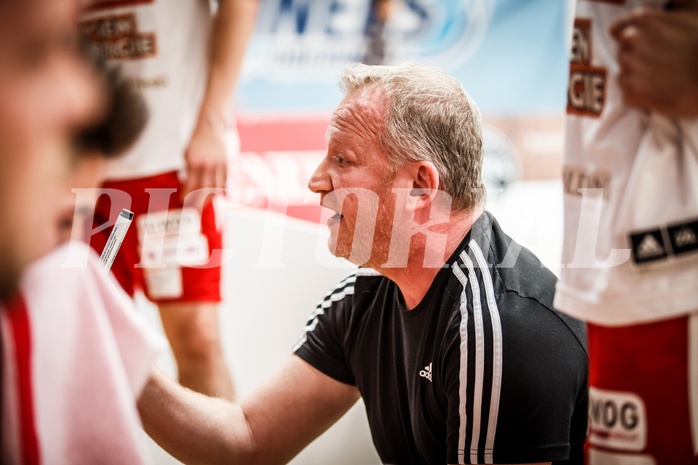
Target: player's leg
{"type": "Point", "coordinates": [187, 288]}
{"type": "Point", "coordinates": [194, 334]}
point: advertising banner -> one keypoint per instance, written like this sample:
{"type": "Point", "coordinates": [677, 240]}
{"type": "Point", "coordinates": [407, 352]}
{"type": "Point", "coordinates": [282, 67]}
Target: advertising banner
{"type": "Point", "coordinates": [510, 55]}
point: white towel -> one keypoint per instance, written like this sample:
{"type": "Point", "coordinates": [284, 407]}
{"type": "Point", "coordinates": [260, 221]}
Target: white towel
{"type": "Point", "coordinates": [91, 354]}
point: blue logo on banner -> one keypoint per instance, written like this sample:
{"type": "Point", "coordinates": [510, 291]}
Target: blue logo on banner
{"type": "Point", "coordinates": [313, 39]}
{"type": "Point", "coordinates": [301, 46]}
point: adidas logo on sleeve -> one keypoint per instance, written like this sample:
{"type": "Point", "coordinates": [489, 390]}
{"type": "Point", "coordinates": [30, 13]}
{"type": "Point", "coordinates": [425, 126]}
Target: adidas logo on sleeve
{"type": "Point", "coordinates": [671, 240]}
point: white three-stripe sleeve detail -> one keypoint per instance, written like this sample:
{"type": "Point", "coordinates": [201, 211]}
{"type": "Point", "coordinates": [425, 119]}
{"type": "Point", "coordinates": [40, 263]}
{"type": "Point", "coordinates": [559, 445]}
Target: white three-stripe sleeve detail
{"type": "Point", "coordinates": [463, 373]}
{"type": "Point", "coordinates": [349, 290]}
{"type": "Point", "coordinates": [497, 352]}
{"type": "Point", "coordinates": [479, 356]}
{"type": "Point", "coordinates": [333, 296]}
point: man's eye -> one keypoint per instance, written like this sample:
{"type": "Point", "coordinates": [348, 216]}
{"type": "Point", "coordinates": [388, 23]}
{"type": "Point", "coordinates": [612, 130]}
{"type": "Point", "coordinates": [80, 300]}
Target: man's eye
{"type": "Point", "coordinates": [340, 160]}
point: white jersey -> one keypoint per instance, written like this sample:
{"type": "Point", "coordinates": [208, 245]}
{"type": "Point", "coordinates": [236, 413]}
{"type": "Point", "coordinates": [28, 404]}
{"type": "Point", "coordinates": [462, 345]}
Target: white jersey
{"type": "Point", "coordinates": [164, 47]}
{"type": "Point", "coordinates": [76, 356]}
{"type": "Point", "coordinates": [631, 217]}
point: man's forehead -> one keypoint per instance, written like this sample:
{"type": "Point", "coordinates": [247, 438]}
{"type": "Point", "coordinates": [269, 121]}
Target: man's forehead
{"type": "Point", "coordinates": [362, 110]}
{"type": "Point", "coordinates": [370, 99]}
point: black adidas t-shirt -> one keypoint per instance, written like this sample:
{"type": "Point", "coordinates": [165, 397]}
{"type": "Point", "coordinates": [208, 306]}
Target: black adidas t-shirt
{"type": "Point", "coordinates": [483, 370]}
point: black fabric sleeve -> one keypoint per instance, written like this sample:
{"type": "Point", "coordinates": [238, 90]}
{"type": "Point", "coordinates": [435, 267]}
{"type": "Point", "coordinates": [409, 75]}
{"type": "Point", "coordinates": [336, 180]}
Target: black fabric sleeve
{"type": "Point", "coordinates": [322, 344]}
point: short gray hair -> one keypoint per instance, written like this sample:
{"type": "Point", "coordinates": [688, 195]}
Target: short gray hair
{"type": "Point", "coordinates": [429, 118]}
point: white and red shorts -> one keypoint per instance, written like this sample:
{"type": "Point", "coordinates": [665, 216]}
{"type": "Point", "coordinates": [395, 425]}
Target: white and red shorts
{"type": "Point", "coordinates": [171, 252]}
{"type": "Point", "coordinates": [643, 400]}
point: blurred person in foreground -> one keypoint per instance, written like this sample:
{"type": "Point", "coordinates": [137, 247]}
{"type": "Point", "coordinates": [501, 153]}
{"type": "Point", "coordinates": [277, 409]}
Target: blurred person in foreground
{"type": "Point", "coordinates": [631, 225]}
{"type": "Point", "coordinates": [48, 93]}
{"type": "Point", "coordinates": [186, 57]}
{"type": "Point", "coordinates": [75, 352]}
{"type": "Point", "coordinates": [446, 332]}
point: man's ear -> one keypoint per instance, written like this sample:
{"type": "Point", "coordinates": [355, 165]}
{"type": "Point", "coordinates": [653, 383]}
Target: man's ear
{"type": "Point", "coordinates": [425, 183]}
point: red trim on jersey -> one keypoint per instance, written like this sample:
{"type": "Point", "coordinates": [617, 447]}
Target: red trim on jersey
{"type": "Point", "coordinates": [18, 317]}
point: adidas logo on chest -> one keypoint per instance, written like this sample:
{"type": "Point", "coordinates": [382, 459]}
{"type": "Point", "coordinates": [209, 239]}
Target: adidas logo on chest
{"type": "Point", "coordinates": [426, 372]}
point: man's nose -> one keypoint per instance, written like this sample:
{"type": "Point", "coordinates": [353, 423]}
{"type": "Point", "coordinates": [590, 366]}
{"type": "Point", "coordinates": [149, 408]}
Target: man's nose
{"type": "Point", "coordinates": [320, 180]}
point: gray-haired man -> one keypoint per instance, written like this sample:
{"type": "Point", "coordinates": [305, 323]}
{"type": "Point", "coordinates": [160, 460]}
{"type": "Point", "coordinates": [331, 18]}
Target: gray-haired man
{"type": "Point", "coordinates": [447, 330]}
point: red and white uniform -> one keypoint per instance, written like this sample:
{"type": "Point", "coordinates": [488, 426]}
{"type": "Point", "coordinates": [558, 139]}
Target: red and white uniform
{"type": "Point", "coordinates": [75, 358]}
{"type": "Point", "coordinates": [163, 46]}
{"type": "Point", "coordinates": [633, 281]}
{"type": "Point", "coordinates": [600, 282]}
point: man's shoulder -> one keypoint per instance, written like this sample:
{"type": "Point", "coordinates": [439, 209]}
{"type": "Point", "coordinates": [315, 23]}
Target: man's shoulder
{"type": "Point", "coordinates": [352, 298]}
{"type": "Point", "coordinates": [516, 268]}
{"type": "Point", "coordinates": [527, 286]}
{"type": "Point", "coordinates": [361, 281]}
{"type": "Point", "coordinates": [366, 282]}
{"type": "Point", "coordinates": [519, 280]}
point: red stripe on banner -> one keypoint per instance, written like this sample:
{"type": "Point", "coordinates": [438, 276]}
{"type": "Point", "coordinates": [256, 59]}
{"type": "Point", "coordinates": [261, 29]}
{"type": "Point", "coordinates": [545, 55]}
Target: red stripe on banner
{"type": "Point", "coordinates": [285, 132]}
{"type": "Point", "coordinates": [19, 323]}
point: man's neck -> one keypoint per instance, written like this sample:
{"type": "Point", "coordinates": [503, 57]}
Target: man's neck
{"type": "Point", "coordinates": [415, 279]}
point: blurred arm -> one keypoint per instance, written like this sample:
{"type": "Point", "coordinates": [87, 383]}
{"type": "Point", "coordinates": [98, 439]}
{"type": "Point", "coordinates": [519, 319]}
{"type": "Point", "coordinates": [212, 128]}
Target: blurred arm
{"type": "Point", "coordinates": [206, 160]}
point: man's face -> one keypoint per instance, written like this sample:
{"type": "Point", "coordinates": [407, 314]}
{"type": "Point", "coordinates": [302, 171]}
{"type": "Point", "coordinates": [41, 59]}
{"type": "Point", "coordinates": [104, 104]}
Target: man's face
{"type": "Point", "coordinates": [48, 93]}
{"type": "Point", "coordinates": [355, 180]}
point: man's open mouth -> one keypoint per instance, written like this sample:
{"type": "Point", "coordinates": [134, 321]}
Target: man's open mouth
{"type": "Point", "coordinates": [334, 219]}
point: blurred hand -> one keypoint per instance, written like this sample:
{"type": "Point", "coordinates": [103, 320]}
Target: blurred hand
{"type": "Point", "coordinates": [658, 59]}
{"type": "Point", "coordinates": [206, 157]}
